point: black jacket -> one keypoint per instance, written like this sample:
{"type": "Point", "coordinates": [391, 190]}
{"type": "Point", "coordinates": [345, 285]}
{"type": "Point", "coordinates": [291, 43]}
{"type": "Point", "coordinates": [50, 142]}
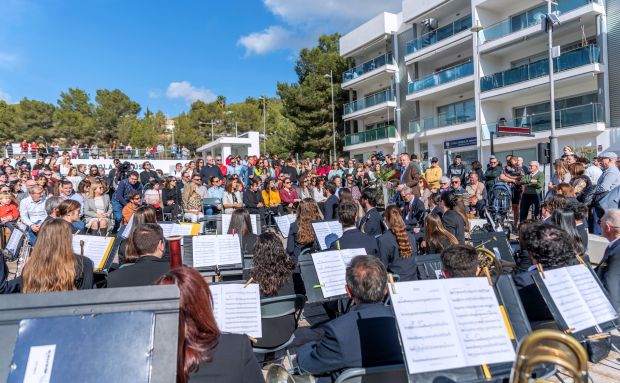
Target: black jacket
{"type": "Point", "coordinates": [355, 239]}
{"type": "Point", "coordinates": [455, 170]}
{"type": "Point", "coordinates": [331, 208]}
{"type": "Point", "coordinates": [145, 176]}
{"type": "Point", "coordinates": [413, 213]}
{"type": "Point", "coordinates": [291, 172]}
{"type": "Point", "coordinates": [144, 272]}
{"type": "Point", "coordinates": [294, 248]}
{"type": "Point", "coordinates": [209, 171]}
{"type": "Point", "coordinates": [232, 362]}
{"type": "Point", "coordinates": [455, 224]}
{"type": "Point", "coordinates": [371, 223]}
{"type": "Point", "coordinates": [251, 200]}
{"type": "Point", "coordinates": [608, 272]}
{"type": "Point", "coordinates": [390, 256]}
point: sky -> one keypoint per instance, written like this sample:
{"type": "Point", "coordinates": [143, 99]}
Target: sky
{"type": "Point", "coordinates": [164, 54]}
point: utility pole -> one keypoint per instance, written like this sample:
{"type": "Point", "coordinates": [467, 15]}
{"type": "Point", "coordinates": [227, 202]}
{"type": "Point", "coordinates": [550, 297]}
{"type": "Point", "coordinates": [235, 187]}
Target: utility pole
{"type": "Point", "coordinates": [552, 138]}
{"type": "Point", "coordinates": [264, 124]}
{"type": "Point", "coordinates": [331, 81]}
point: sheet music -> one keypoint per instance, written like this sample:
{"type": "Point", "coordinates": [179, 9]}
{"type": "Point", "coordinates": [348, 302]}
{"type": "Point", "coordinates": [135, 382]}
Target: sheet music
{"type": "Point", "coordinates": [592, 293]}
{"type": "Point", "coordinates": [323, 228]}
{"type": "Point", "coordinates": [349, 254]}
{"type": "Point", "coordinates": [127, 229]}
{"type": "Point", "coordinates": [182, 230]}
{"type": "Point", "coordinates": [237, 309]}
{"type": "Point", "coordinates": [226, 223]}
{"type": "Point", "coordinates": [13, 243]}
{"type": "Point", "coordinates": [568, 300]}
{"type": "Point", "coordinates": [284, 223]}
{"type": "Point", "coordinates": [96, 248]}
{"type": "Point", "coordinates": [166, 228]}
{"type": "Point", "coordinates": [213, 250]}
{"type": "Point", "coordinates": [450, 323]}
{"type": "Point", "coordinates": [331, 270]}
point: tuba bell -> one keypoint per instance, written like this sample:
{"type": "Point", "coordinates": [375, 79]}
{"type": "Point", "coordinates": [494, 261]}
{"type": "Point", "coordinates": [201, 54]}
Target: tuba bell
{"type": "Point", "coordinates": [278, 374]}
{"type": "Point", "coordinates": [550, 347]}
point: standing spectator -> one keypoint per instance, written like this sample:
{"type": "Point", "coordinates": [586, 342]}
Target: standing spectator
{"type": "Point", "coordinates": [492, 173]}
{"type": "Point", "coordinates": [609, 179]}
{"type": "Point", "coordinates": [94, 151]}
{"type": "Point", "coordinates": [160, 151]}
{"type": "Point", "coordinates": [147, 174]}
{"type": "Point", "coordinates": [457, 169]}
{"type": "Point", "coordinates": [223, 168]}
{"type": "Point", "coordinates": [534, 183]}
{"type": "Point", "coordinates": [513, 175]}
{"type": "Point", "coordinates": [433, 174]}
{"type": "Point", "coordinates": [210, 170]}
{"type": "Point", "coordinates": [608, 269]}
{"type": "Point", "coordinates": [410, 174]}
{"type": "Point", "coordinates": [560, 175]}
{"type": "Point", "coordinates": [24, 147]}
{"type": "Point", "coordinates": [476, 167]}
{"type": "Point", "coordinates": [593, 171]}
{"type": "Point", "coordinates": [174, 152]}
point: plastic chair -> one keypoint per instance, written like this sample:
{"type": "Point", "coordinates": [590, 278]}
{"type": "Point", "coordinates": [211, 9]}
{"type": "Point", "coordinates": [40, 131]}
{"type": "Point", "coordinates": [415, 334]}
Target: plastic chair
{"type": "Point", "coordinates": [278, 307]}
{"type": "Point", "coordinates": [395, 373]}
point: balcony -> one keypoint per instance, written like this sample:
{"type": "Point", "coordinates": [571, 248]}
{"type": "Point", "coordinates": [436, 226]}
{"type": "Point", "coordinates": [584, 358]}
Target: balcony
{"type": "Point", "coordinates": [368, 66]}
{"type": "Point", "coordinates": [370, 135]}
{"type": "Point", "coordinates": [564, 118]}
{"type": "Point", "coordinates": [569, 60]}
{"type": "Point", "coordinates": [369, 101]}
{"type": "Point", "coordinates": [439, 34]}
{"type": "Point", "coordinates": [441, 77]}
{"type": "Point", "coordinates": [530, 18]}
{"type": "Point", "coordinates": [441, 121]}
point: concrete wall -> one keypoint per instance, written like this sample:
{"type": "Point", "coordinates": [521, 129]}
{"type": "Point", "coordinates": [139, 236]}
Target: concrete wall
{"type": "Point", "coordinates": [375, 28]}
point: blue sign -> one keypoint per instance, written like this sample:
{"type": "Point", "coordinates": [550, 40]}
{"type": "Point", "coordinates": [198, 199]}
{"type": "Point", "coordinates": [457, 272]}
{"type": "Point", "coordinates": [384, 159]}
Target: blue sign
{"type": "Point", "coordinates": [469, 141]}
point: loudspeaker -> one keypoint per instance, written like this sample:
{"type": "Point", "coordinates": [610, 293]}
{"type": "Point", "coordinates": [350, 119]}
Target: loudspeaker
{"type": "Point", "coordinates": [544, 153]}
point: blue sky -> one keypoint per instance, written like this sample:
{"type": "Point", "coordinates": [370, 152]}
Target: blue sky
{"type": "Point", "coordinates": [164, 54]}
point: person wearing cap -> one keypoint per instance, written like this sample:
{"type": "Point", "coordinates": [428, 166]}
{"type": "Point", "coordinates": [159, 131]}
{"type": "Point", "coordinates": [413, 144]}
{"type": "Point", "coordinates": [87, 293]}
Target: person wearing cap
{"type": "Point", "coordinates": [492, 173]}
{"type": "Point", "coordinates": [610, 178]}
{"type": "Point", "coordinates": [605, 194]}
{"type": "Point", "coordinates": [433, 174]}
{"type": "Point", "coordinates": [457, 169]}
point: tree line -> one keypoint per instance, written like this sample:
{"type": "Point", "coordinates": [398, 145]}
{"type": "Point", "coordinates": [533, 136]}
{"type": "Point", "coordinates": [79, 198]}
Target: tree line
{"type": "Point", "coordinates": [298, 121]}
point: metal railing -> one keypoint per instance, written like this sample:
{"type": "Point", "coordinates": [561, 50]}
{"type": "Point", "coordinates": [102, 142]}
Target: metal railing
{"type": "Point", "coordinates": [368, 101]}
{"type": "Point", "coordinates": [564, 118]}
{"type": "Point", "coordinates": [532, 17]}
{"type": "Point", "coordinates": [441, 77]}
{"type": "Point", "coordinates": [370, 135]}
{"type": "Point", "coordinates": [107, 153]}
{"type": "Point", "coordinates": [442, 120]}
{"type": "Point", "coordinates": [540, 68]}
{"type": "Point", "coordinates": [368, 66]}
{"type": "Point", "coordinates": [439, 34]}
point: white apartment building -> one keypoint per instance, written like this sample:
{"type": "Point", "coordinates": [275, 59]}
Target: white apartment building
{"type": "Point", "coordinates": [425, 82]}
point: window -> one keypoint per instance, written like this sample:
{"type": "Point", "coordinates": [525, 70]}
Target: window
{"type": "Point", "coordinates": [456, 113]}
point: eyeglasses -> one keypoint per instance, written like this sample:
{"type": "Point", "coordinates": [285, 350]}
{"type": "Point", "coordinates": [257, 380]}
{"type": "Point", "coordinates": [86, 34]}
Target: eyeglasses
{"type": "Point", "coordinates": [136, 199]}
{"type": "Point", "coordinates": [287, 182]}
{"type": "Point", "coordinates": [456, 182]}
{"type": "Point", "coordinates": [216, 180]}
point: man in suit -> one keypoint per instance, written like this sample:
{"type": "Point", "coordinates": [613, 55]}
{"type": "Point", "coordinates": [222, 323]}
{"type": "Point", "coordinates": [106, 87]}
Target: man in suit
{"type": "Point", "coordinates": [352, 237]}
{"type": "Point", "coordinates": [608, 270]}
{"type": "Point", "coordinates": [330, 206]}
{"type": "Point", "coordinates": [148, 242]}
{"type": "Point", "coordinates": [371, 221]}
{"type": "Point", "coordinates": [410, 174]}
{"type": "Point", "coordinates": [366, 336]}
{"type": "Point", "coordinates": [413, 212]}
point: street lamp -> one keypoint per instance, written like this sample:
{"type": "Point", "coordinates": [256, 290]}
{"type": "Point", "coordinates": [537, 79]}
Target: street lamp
{"type": "Point", "coordinates": [476, 28]}
{"type": "Point", "coordinates": [331, 81]}
{"type": "Point", "coordinates": [264, 123]}
{"type": "Point", "coordinates": [550, 20]}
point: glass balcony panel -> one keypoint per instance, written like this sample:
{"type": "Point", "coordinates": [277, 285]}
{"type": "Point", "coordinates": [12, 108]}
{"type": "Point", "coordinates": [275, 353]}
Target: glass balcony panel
{"type": "Point", "coordinates": [366, 67]}
{"type": "Point", "coordinates": [370, 135]}
{"type": "Point", "coordinates": [442, 77]}
{"type": "Point", "coordinates": [438, 35]}
{"type": "Point", "coordinates": [442, 120]}
{"type": "Point", "coordinates": [368, 101]}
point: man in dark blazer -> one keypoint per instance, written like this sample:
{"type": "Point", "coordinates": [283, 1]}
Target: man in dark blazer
{"type": "Point", "coordinates": [330, 207]}
{"type": "Point", "coordinates": [608, 270]}
{"type": "Point", "coordinates": [371, 223]}
{"type": "Point", "coordinates": [253, 199]}
{"type": "Point", "coordinates": [148, 240]}
{"type": "Point", "coordinates": [410, 174]}
{"type": "Point", "coordinates": [414, 209]}
{"type": "Point", "coordinates": [366, 336]}
{"type": "Point", "coordinates": [352, 237]}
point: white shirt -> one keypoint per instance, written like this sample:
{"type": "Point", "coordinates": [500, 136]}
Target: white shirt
{"type": "Point", "coordinates": [32, 212]}
{"type": "Point", "coordinates": [594, 173]}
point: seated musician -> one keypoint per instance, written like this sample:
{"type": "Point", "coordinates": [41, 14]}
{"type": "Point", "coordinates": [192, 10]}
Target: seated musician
{"type": "Point", "coordinates": [366, 336]}
{"type": "Point", "coordinates": [459, 261]}
{"type": "Point", "coordinates": [550, 247]}
{"type": "Point", "coordinates": [414, 209]}
{"type": "Point", "coordinates": [352, 237]}
{"type": "Point", "coordinates": [398, 247]}
{"type": "Point", "coordinates": [371, 221]}
{"type": "Point", "coordinates": [208, 355]}
{"type": "Point", "coordinates": [241, 225]}
{"type": "Point", "coordinates": [147, 243]}
{"type": "Point", "coordinates": [300, 234]}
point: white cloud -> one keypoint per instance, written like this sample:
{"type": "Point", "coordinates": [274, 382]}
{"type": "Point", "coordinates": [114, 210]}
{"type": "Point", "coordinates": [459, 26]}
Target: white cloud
{"type": "Point", "coordinates": [155, 93]}
{"type": "Point", "coordinates": [271, 39]}
{"type": "Point", "coordinates": [4, 96]}
{"type": "Point", "coordinates": [307, 19]}
{"type": "Point", "coordinates": [189, 93]}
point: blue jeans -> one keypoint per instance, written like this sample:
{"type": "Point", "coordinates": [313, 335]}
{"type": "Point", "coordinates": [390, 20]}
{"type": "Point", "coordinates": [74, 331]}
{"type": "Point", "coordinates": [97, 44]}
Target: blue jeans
{"type": "Point", "coordinates": [117, 210]}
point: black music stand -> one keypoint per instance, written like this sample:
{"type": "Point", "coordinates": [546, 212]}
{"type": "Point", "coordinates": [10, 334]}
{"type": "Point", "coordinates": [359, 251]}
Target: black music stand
{"type": "Point", "coordinates": [162, 301]}
{"type": "Point", "coordinates": [428, 266]}
{"type": "Point", "coordinates": [492, 240]}
{"type": "Point", "coordinates": [235, 270]}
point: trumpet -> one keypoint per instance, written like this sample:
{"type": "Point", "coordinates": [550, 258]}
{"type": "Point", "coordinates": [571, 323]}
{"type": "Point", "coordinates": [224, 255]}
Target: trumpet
{"type": "Point", "coordinates": [550, 347]}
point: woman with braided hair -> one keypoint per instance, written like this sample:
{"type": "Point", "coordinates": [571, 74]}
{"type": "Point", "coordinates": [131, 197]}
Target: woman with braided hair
{"type": "Point", "coordinates": [397, 246]}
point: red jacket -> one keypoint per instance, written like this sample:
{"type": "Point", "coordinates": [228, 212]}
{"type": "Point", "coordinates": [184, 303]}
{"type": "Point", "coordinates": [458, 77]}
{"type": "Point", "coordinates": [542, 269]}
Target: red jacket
{"type": "Point", "coordinates": [288, 196]}
{"type": "Point", "coordinates": [9, 210]}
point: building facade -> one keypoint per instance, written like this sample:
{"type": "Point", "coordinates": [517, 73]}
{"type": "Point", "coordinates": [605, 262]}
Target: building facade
{"type": "Point", "coordinates": [440, 78]}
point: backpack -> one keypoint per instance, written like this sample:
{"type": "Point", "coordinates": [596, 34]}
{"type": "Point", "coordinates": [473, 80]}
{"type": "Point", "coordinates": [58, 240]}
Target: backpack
{"type": "Point", "coordinates": [500, 198]}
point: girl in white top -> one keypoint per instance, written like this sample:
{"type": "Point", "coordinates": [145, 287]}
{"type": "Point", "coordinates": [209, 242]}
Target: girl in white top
{"type": "Point", "coordinates": [73, 177]}
{"type": "Point", "coordinates": [318, 190]}
{"type": "Point", "coordinates": [232, 198]}
{"type": "Point", "coordinates": [153, 195]}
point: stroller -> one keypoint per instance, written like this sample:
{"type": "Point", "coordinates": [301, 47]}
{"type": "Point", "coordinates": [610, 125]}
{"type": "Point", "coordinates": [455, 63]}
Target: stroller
{"type": "Point", "coordinates": [500, 203]}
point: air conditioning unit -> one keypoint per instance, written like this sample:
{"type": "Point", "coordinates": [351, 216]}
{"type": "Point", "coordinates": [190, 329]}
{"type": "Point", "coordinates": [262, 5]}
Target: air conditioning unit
{"type": "Point", "coordinates": [430, 24]}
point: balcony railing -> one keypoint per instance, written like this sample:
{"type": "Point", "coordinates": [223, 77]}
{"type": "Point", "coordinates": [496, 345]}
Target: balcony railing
{"type": "Point", "coordinates": [369, 101]}
{"type": "Point", "coordinates": [439, 34]}
{"type": "Point", "coordinates": [370, 135]}
{"type": "Point", "coordinates": [540, 68]}
{"type": "Point", "coordinates": [442, 120]}
{"type": "Point", "coordinates": [368, 66]}
{"type": "Point", "coordinates": [564, 118]}
{"type": "Point", "coordinates": [442, 77]}
{"type": "Point", "coordinates": [531, 17]}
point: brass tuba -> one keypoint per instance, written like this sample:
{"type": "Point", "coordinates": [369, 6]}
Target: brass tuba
{"type": "Point", "coordinates": [550, 347]}
{"type": "Point", "coordinates": [278, 374]}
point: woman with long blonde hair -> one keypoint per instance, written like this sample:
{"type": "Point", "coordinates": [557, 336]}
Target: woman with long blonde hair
{"type": "Point", "coordinates": [192, 203]}
{"type": "Point", "coordinates": [397, 246]}
{"type": "Point", "coordinates": [52, 265]}
{"type": "Point", "coordinates": [436, 236]}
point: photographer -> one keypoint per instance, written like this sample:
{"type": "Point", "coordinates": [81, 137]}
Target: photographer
{"type": "Point", "coordinates": [120, 198]}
